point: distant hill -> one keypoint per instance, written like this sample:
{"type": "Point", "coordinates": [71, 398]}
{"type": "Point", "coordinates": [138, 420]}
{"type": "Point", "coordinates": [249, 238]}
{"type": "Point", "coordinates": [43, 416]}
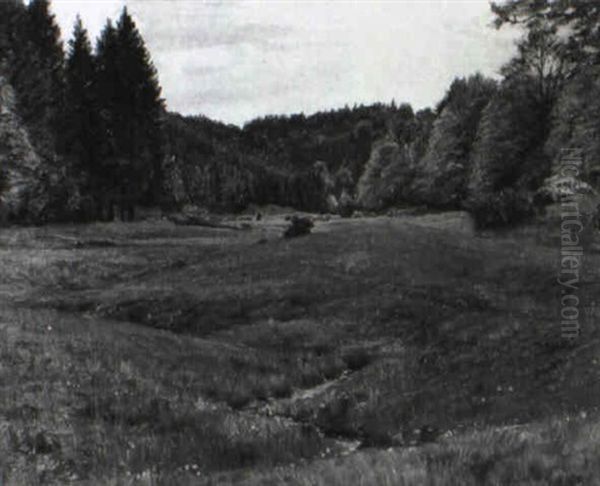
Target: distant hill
{"type": "Point", "coordinates": [293, 160]}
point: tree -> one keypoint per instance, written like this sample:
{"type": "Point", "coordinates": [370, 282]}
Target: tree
{"type": "Point", "coordinates": [39, 76]}
{"type": "Point", "coordinates": [138, 113]}
{"type": "Point", "coordinates": [11, 22]}
{"type": "Point", "coordinates": [559, 55]}
{"type": "Point", "coordinates": [106, 88]}
{"type": "Point", "coordinates": [131, 114]}
{"type": "Point", "coordinates": [442, 175]}
{"type": "Point", "coordinates": [32, 63]}
{"type": "Point", "coordinates": [507, 152]}
{"type": "Point", "coordinates": [82, 118]}
{"type": "Point", "coordinates": [576, 19]}
{"type": "Point", "coordinates": [20, 165]}
{"type": "Point", "coordinates": [403, 123]}
{"type": "Point", "coordinates": [424, 120]}
{"type": "Point", "coordinates": [575, 125]}
{"type": "Point", "coordinates": [386, 176]}
{"type": "Point", "coordinates": [540, 62]}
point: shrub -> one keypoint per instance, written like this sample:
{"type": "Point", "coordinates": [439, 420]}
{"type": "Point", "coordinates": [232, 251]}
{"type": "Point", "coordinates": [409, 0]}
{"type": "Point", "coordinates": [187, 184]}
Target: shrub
{"type": "Point", "coordinates": [501, 209]}
{"type": "Point", "coordinates": [298, 226]}
{"type": "Point", "coordinates": [346, 205]}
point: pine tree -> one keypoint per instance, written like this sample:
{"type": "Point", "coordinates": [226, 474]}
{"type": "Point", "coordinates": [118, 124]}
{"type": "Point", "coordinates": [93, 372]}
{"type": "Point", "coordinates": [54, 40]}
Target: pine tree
{"type": "Point", "coordinates": [43, 32]}
{"type": "Point", "coordinates": [131, 114]}
{"type": "Point", "coordinates": [82, 119]}
{"type": "Point", "coordinates": [138, 112]}
{"type": "Point", "coordinates": [106, 86]}
{"type": "Point", "coordinates": [37, 75]}
{"type": "Point", "coordinates": [11, 21]}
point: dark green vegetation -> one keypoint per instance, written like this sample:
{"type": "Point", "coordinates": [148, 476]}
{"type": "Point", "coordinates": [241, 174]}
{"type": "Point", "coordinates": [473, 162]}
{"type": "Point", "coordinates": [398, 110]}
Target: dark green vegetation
{"type": "Point", "coordinates": [151, 353]}
{"type": "Point", "coordinates": [95, 141]}
{"type": "Point", "coordinates": [94, 118]}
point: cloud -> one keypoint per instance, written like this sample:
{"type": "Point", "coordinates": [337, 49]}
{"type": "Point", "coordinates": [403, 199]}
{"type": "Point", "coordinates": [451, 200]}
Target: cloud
{"type": "Point", "coordinates": [234, 60]}
{"type": "Point", "coordinates": [191, 38]}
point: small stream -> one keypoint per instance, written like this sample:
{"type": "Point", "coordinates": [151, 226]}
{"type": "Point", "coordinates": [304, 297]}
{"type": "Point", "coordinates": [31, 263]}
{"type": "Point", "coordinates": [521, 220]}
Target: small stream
{"type": "Point", "coordinates": [275, 408]}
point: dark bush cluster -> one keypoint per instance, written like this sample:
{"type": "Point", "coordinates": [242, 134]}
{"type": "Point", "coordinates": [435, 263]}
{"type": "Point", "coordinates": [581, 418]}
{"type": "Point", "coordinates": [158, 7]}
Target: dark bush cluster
{"type": "Point", "coordinates": [299, 226]}
{"type": "Point", "coordinates": [501, 209]}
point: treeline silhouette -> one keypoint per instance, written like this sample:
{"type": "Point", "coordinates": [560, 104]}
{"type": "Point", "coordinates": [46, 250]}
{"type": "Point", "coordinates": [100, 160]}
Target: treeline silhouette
{"type": "Point", "coordinates": [107, 145]}
{"type": "Point", "coordinates": [298, 161]}
{"type": "Point", "coordinates": [95, 116]}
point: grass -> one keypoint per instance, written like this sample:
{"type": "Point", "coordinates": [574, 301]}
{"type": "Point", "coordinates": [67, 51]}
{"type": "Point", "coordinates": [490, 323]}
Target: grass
{"type": "Point", "coordinates": [99, 404]}
{"type": "Point", "coordinates": [154, 354]}
{"type": "Point", "coordinates": [562, 451]}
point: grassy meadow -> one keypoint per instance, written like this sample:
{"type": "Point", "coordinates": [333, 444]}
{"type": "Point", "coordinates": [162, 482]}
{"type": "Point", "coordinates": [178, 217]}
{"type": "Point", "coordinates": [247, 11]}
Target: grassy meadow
{"type": "Point", "coordinates": [400, 350]}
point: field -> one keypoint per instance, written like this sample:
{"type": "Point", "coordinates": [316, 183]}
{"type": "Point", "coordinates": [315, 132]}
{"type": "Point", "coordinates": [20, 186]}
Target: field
{"type": "Point", "coordinates": [375, 351]}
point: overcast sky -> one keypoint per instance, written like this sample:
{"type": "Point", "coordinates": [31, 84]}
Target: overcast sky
{"type": "Point", "coordinates": [234, 60]}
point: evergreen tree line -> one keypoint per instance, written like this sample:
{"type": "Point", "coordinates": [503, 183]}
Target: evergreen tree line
{"type": "Point", "coordinates": [300, 161]}
{"type": "Point", "coordinates": [94, 115]}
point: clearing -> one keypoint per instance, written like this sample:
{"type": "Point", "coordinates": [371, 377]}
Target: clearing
{"type": "Point", "coordinates": [404, 350]}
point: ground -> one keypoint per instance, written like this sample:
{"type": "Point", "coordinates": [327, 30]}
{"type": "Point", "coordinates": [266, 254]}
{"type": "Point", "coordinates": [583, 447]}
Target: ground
{"type": "Point", "coordinates": [389, 350]}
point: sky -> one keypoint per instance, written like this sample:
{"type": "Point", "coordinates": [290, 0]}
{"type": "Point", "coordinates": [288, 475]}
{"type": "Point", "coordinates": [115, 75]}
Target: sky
{"type": "Point", "coordinates": [234, 60]}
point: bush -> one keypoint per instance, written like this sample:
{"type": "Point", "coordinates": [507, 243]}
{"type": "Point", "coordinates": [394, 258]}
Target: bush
{"type": "Point", "coordinates": [501, 209]}
{"type": "Point", "coordinates": [298, 226]}
{"type": "Point", "coordinates": [346, 205]}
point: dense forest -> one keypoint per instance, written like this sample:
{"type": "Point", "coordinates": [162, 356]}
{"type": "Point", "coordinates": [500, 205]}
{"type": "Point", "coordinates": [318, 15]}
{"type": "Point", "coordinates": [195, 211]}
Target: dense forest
{"type": "Point", "coordinates": [85, 135]}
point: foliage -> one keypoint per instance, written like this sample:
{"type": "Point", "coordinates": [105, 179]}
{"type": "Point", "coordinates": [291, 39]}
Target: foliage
{"type": "Point", "coordinates": [541, 63]}
{"type": "Point", "coordinates": [95, 120]}
{"type": "Point", "coordinates": [82, 131]}
{"type": "Point", "coordinates": [502, 208]}
{"type": "Point", "coordinates": [442, 177]}
{"type": "Point", "coordinates": [340, 138]}
{"type": "Point", "coordinates": [298, 161]}
{"type": "Point", "coordinates": [19, 163]}
{"type": "Point", "coordinates": [576, 18]}
{"type": "Point", "coordinates": [299, 226]}
{"type": "Point", "coordinates": [507, 150]}
{"type": "Point", "coordinates": [131, 109]}
{"type": "Point", "coordinates": [575, 128]}
{"type": "Point", "coordinates": [35, 64]}
{"type": "Point", "coordinates": [388, 171]}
